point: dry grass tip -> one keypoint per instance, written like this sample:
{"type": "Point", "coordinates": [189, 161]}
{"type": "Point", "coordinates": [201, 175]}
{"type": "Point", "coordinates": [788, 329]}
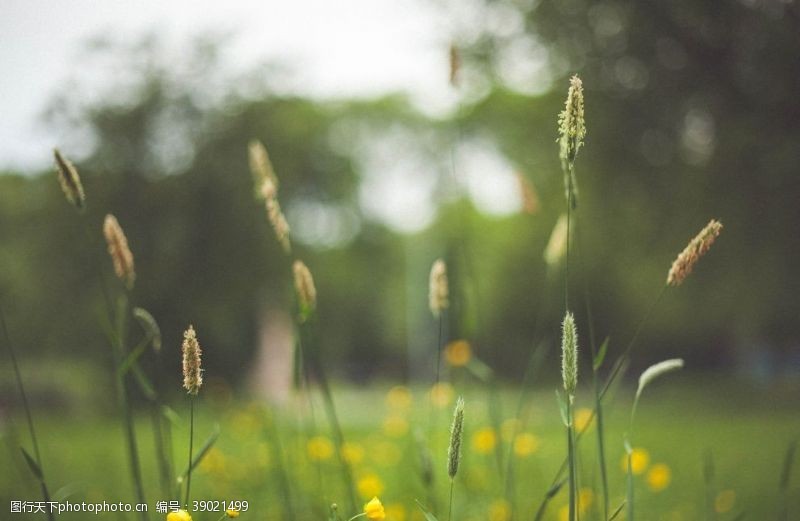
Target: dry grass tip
{"type": "Point", "coordinates": [119, 251]}
{"type": "Point", "coordinates": [192, 372]}
{"type": "Point", "coordinates": [69, 180]}
{"type": "Point", "coordinates": [438, 292]}
{"type": "Point", "coordinates": [697, 247]}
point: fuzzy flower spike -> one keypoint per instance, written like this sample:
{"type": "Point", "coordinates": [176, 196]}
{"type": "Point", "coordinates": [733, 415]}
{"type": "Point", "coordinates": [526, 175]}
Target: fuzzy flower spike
{"type": "Point", "coordinates": [571, 123]}
{"type": "Point", "coordinates": [569, 354]}
{"type": "Point", "coordinates": [69, 180]}
{"type": "Point", "coordinates": [697, 247]}
{"type": "Point", "coordinates": [438, 293]}
{"type": "Point", "coordinates": [192, 372]}
{"type": "Point", "coordinates": [119, 251]}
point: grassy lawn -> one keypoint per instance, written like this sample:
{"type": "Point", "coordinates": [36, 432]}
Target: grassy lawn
{"type": "Point", "coordinates": [744, 428]}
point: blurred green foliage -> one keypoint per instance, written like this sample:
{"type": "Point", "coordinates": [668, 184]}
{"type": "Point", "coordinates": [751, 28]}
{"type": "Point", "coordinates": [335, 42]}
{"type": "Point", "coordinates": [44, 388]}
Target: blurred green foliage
{"type": "Point", "coordinates": [691, 115]}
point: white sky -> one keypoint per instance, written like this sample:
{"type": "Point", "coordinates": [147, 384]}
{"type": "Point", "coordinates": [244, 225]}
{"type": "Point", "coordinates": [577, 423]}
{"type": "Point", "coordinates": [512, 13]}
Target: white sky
{"type": "Point", "coordinates": [337, 48]}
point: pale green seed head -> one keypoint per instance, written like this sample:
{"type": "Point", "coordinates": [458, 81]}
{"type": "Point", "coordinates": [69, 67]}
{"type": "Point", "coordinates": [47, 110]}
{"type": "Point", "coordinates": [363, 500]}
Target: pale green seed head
{"type": "Point", "coordinates": [456, 437]}
{"type": "Point", "coordinates": [571, 123]}
{"type": "Point", "coordinates": [569, 354]}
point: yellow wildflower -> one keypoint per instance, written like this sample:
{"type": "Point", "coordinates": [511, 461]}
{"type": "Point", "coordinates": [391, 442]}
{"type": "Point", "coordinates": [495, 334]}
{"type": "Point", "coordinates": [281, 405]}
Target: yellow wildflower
{"type": "Point", "coordinates": [232, 513]}
{"type": "Point", "coordinates": [499, 510]}
{"type": "Point", "coordinates": [583, 419]}
{"type": "Point", "coordinates": [395, 426]}
{"type": "Point", "coordinates": [724, 501]}
{"type": "Point", "coordinates": [640, 459]}
{"type": "Point", "coordinates": [659, 477]}
{"type": "Point", "coordinates": [179, 515]}
{"type": "Point", "coordinates": [458, 353]}
{"type": "Point", "coordinates": [352, 453]}
{"type": "Point", "coordinates": [374, 510]}
{"type": "Point", "coordinates": [319, 448]}
{"type": "Point", "coordinates": [484, 440]}
{"type": "Point", "coordinates": [442, 394]}
{"type": "Point", "coordinates": [399, 397]}
{"type": "Point", "coordinates": [585, 500]}
{"type": "Point", "coordinates": [526, 444]}
{"type": "Point", "coordinates": [370, 485]}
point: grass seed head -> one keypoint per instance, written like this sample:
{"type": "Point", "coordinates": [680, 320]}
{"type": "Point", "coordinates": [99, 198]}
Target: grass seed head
{"type": "Point", "coordinates": [192, 371]}
{"type": "Point", "coordinates": [569, 354]}
{"type": "Point", "coordinates": [456, 437]}
{"type": "Point", "coordinates": [69, 180]}
{"type": "Point", "coordinates": [304, 286]}
{"type": "Point", "coordinates": [438, 290]}
{"type": "Point", "coordinates": [119, 251]}
{"type": "Point", "coordinates": [697, 247]}
{"type": "Point", "coordinates": [571, 123]}
{"type": "Point", "coordinates": [278, 221]}
{"type": "Point", "coordinates": [261, 168]}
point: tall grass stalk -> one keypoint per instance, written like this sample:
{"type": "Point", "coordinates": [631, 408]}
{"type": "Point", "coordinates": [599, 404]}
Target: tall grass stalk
{"type": "Point", "coordinates": [28, 415]}
{"type": "Point", "coordinates": [71, 184]}
{"type": "Point", "coordinates": [126, 411]}
{"type": "Point", "coordinates": [191, 447]}
{"type": "Point", "coordinates": [597, 361]}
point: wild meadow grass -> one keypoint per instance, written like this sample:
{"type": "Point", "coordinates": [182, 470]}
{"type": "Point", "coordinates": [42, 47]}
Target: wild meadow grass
{"type": "Point", "coordinates": [340, 454]}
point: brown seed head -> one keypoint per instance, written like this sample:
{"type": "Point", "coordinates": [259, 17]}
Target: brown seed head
{"type": "Point", "coordinates": [121, 255]}
{"type": "Point", "coordinates": [696, 248]}
{"type": "Point", "coordinates": [278, 221]}
{"type": "Point", "coordinates": [455, 64]}
{"type": "Point", "coordinates": [438, 292]}
{"type": "Point", "coordinates": [261, 168]}
{"type": "Point", "coordinates": [192, 372]}
{"type": "Point", "coordinates": [69, 180]}
{"type": "Point", "coordinates": [304, 285]}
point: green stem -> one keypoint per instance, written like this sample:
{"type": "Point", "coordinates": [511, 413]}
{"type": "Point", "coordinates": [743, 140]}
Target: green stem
{"type": "Point", "coordinates": [450, 508]}
{"type": "Point", "coordinates": [283, 479]}
{"type": "Point", "coordinates": [629, 501]}
{"type": "Point", "coordinates": [191, 447]}
{"type": "Point", "coordinates": [601, 451]}
{"type": "Point", "coordinates": [122, 395]}
{"type": "Point", "coordinates": [571, 457]}
{"type": "Point", "coordinates": [336, 427]}
{"type": "Point", "coordinates": [28, 415]}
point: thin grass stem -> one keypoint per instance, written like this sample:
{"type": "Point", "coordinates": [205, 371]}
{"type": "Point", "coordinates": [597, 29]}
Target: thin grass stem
{"type": "Point", "coordinates": [28, 415]}
{"type": "Point", "coordinates": [450, 508]}
{"type": "Point", "coordinates": [191, 447]}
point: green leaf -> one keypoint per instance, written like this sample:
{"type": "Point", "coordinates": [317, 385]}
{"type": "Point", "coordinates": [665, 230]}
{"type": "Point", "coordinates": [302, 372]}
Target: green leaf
{"type": "Point", "coordinates": [554, 489]}
{"type": "Point", "coordinates": [35, 468]}
{"type": "Point", "coordinates": [132, 358]}
{"type": "Point", "coordinates": [210, 441]}
{"type": "Point", "coordinates": [68, 490]}
{"type": "Point", "coordinates": [428, 515]}
{"type": "Point", "coordinates": [617, 511]}
{"type": "Point", "coordinates": [144, 383]}
{"type": "Point", "coordinates": [562, 408]}
{"type": "Point", "coordinates": [150, 327]}
{"type": "Point", "coordinates": [170, 414]}
{"type": "Point", "coordinates": [600, 356]}
{"type": "Point", "coordinates": [482, 371]}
